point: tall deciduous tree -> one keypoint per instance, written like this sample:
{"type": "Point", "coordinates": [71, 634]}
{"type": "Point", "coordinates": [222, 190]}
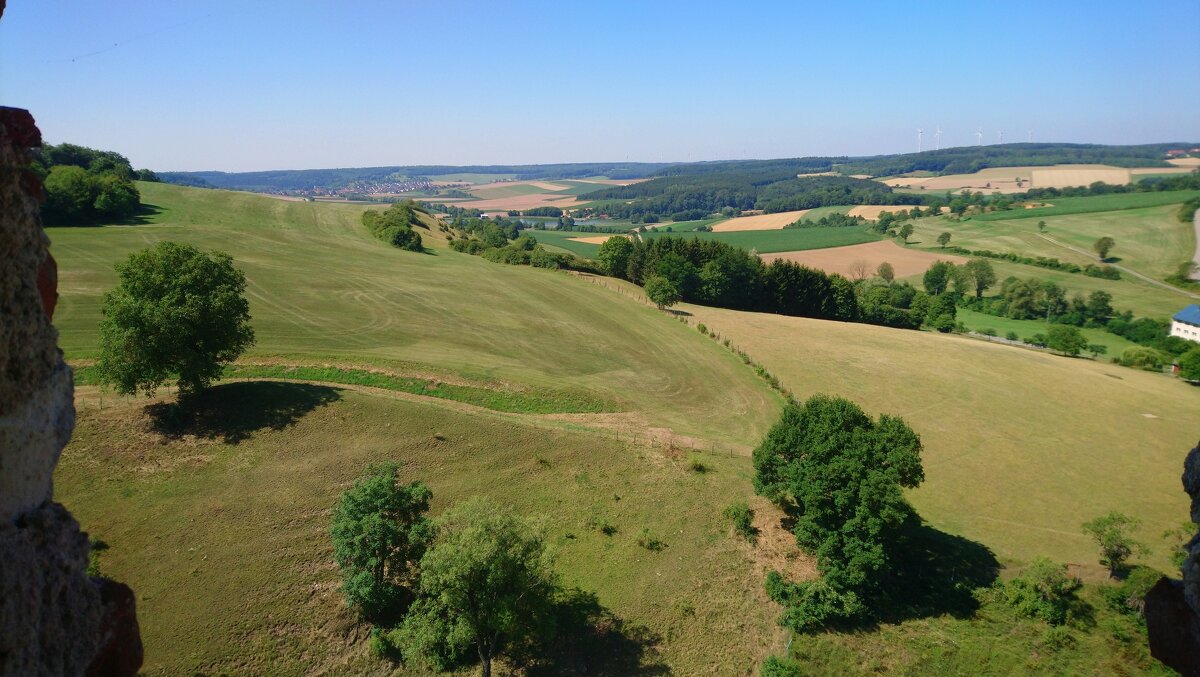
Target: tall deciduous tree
{"type": "Point", "coordinates": [886, 272]}
{"type": "Point", "coordinates": [379, 531]}
{"type": "Point", "coordinates": [937, 277]}
{"type": "Point", "coordinates": [845, 473]}
{"type": "Point", "coordinates": [983, 274]}
{"type": "Point", "coordinates": [486, 583]}
{"type": "Point", "coordinates": [906, 232]}
{"type": "Point", "coordinates": [1113, 533]}
{"type": "Point", "coordinates": [177, 312]}
{"type": "Point", "coordinates": [614, 255]}
{"type": "Point", "coordinates": [1103, 246]}
{"type": "Point", "coordinates": [943, 239]}
{"type": "Point", "coordinates": [662, 292]}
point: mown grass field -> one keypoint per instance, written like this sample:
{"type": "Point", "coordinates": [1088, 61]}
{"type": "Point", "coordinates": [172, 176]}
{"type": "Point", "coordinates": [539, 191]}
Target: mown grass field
{"type": "Point", "coordinates": [322, 290]}
{"type": "Point", "coordinates": [224, 533]}
{"type": "Point", "coordinates": [563, 240]}
{"type": "Point", "coordinates": [1021, 447]}
{"type": "Point", "coordinates": [792, 239]}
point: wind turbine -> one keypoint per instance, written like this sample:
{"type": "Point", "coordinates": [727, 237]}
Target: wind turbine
{"type": "Point", "coordinates": [1031, 136]}
{"type": "Point", "coordinates": [937, 138]}
{"type": "Point", "coordinates": [920, 133]}
{"type": "Point", "coordinates": [1000, 135]}
{"type": "Point", "coordinates": [979, 137]}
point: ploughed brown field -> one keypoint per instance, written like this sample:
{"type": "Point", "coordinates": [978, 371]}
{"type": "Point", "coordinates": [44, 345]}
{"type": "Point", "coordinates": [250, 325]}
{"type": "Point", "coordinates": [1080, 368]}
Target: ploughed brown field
{"type": "Point", "coordinates": [862, 259]}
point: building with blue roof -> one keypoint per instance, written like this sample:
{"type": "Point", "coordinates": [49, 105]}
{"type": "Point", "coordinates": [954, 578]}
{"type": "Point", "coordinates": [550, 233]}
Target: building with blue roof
{"type": "Point", "coordinates": [1186, 323]}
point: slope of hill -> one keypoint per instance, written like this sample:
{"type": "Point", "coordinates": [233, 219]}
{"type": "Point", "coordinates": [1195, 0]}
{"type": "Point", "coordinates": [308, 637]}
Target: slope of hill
{"type": "Point", "coordinates": [322, 290]}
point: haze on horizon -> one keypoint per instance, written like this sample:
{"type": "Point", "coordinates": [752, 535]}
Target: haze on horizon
{"type": "Point", "coordinates": [274, 85]}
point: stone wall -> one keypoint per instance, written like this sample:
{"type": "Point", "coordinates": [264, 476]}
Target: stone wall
{"type": "Point", "coordinates": [54, 619]}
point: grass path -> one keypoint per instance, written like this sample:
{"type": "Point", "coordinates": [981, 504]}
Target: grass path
{"type": "Point", "coordinates": [1127, 270]}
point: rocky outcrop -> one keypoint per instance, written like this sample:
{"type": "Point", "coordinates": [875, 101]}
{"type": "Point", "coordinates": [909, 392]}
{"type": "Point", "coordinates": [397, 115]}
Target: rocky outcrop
{"type": "Point", "coordinates": [54, 619]}
{"type": "Point", "coordinates": [1173, 607]}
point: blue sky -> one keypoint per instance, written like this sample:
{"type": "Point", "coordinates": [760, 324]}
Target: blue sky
{"type": "Point", "coordinates": [244, 85]}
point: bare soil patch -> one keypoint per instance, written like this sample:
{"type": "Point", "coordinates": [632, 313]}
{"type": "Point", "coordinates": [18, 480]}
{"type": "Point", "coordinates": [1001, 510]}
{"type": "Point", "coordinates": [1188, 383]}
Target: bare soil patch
{"type": "Point", "coordinates": [595, 239]}
{"type": "Point", "coordinates": [1079, 175]}
{"type": "Point", "coordinates": [845, 260]}
{"type": "Point", "coordinates": [759, 222]}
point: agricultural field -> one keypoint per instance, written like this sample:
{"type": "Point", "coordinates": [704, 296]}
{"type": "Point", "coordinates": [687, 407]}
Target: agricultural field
{"type": "Point", "coordinates": [850, 260]}
{"type": "Point", "coordinates": [760, 222]}
{"type": "Point", "coordinates": [792, 239]}
{"type": "Point", "coordinates": [521, 195]}
{"type": "Point", "coordinates": [1073, 438]}
{"type": "Point", "coordinates": [1007, 180]}
{"type": "Point", "coordinates": [1150, 240]}
{"type": "Point", "coordinates": [976, 321]}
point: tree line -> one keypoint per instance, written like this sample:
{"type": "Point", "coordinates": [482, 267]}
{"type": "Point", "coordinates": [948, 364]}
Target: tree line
{"type": "Point", "coordinates": [85, 186]}
{"type": "Point", "coordinates": [395, 226]}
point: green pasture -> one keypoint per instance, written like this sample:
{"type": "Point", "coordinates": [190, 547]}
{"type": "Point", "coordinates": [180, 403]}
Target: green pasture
{"type": "Point", "coordinates": [469, 177]}
{"type": "Point", "coordinates": [1093, 203]}
{"type": "Point", "coordinates": [223, 532]}
{"type": "Point", "coordinates": [319, 285]}
{"type": "Point", "coordinates": [561, 239]}
{"type": "Point", "coordinates": [976, 321]}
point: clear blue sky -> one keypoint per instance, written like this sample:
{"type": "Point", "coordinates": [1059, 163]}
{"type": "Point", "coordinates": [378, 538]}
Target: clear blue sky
{"type": "Point", "coordinates": [250, 85]}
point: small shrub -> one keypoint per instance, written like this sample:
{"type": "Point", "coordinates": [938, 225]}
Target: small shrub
{"type": "Point", "coordinates": [701, 328]}
{"type": "Point", "coordinates": [743, 520]}
{"type": "Point", "coordinates": [776, 666]}
{"type": "Point", "coordinates": [988, 332]}
{"type": "Point", "coordinates": [1056, 638]}
{"type": "Point", "coordinates": [649, 541]}
{"type": "Point", "coordinates": [1011, 336]}
{"type": "Point", "coordinates": [97, 546]}
{"type": "Point", "coordinates": [726, 342]}
{"type": "Point", "coordinates": [698, 466]}
{"type": "Point", "coordinates": [1043, 590]}
{"type": "Point", "coordinates": [601, 524]}
{"type": "Point", "coordinates": [1129, 597]}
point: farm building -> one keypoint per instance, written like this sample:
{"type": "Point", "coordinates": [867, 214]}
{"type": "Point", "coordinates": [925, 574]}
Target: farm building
{"type": "Point", "coordinates": [1186, 323]}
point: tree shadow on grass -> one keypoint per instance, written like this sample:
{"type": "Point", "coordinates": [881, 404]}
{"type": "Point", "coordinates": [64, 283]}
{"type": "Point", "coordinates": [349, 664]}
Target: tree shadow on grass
{"type": "Point", "coordinates": [234, 411]}
{"type": "Point", "coordinates": [592, 640]}
{"type": "Point", "coordinates": [141, 217]}
{"type": "Point", "coordinates": [935, 574]}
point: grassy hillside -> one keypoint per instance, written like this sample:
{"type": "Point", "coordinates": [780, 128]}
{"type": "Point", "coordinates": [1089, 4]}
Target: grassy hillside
{"type": "Point", "coordinates": [1150, 240]}
{"type": "Point", "coordinates": [321, 289]}
{"type": "Point", "coordinates": [224, 532]}
{"type": "Point", "coordinates": [1021, 447]}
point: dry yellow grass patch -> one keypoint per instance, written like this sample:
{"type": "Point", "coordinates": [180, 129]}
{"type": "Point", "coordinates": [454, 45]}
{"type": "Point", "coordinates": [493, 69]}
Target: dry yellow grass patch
{"type": "Point", "coordinates": [1064, 176]}
{"type": "Point", "coordinates": [861, 260]}
{"type": "Point", "coordinates": [518, 202]}
{"type": "Point", "coordinates": [1165, 170]}
{"type": "Point", "coordinates": [1185, 162]}
{"type": "Point", "coordinates": [873, 212]}
{"type": "Point", "coordinates": [759, 222]}
{"type": "Point", "coordinates": [596, 239]}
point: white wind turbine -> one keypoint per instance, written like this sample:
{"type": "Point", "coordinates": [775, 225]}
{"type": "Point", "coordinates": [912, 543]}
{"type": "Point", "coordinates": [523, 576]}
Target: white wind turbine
{"type": "Point", "coordinates": [920, 133]}
{"type": "Point", "coordinates": [1000, 136]}
{"type": "Point", "coordinates": [937, 138]}
{"type": "Point", "coordinates": [979, 137]}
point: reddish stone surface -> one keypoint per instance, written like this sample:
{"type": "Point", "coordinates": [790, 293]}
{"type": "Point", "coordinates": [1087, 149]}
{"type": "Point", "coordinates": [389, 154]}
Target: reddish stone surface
{"type": "Point", "coordinates": [20, 127]}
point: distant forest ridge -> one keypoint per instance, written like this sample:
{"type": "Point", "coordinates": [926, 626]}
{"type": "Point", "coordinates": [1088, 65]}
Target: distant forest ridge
{"type": "Point", "coordinates": [957, 160]}
{"type": "Point", "coordinates": [304, 179]}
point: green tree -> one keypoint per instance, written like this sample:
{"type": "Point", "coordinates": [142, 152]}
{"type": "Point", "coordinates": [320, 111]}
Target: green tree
{"type": "Point", "coordinates": [937, 277]}
{"type": "Point", "coordinates": [983, 274]}
{"type": "Point", "coordinates": [1103, 246]}
{"type": "Point", "coordinates": [116, 197]}
{"type": "Point", "coordinates": [943, 239]}
{"type": "Point", "coordinates": [1066, 339]}
{"type": "Point", "coordinates": [1099, 306]}
{"type": "Point", "coordinates": [70, 195]}
{"type": "Point", "coordinates": [1113, 533]}
{"type": "Point", "coordinates": [614, 255]}
{"type": "Point", "coordinates": [1097, 350]}
{"type": "Point", "coordinates": [1189, 365]}
{"type": "Point", "coordinates": [885, 271]}
{"type": "Point", "coordinates": [379, 531]}
{"type": "Point", "coordinates": [845, 474]}
{"type": "Point", "coordinates": [486, 583]}
{"type": "Point", "coordinates": [662, 292]}
{"type": "Point", "coordinates": [1041, 226]}
{"type": "Point", "coordinates": [1043, 590]}
{"type": "Point", "coordinates": [906, 232]}
{"type": "Point", "coordinates": [176, 311]}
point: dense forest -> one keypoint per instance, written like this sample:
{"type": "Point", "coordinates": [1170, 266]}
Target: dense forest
{"type": "Point", "coordinates": [771, 190]}
{"type": "Point", "coordinates": [969, 159]}
{"type": "Point", "coordinates": [84, 185]}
